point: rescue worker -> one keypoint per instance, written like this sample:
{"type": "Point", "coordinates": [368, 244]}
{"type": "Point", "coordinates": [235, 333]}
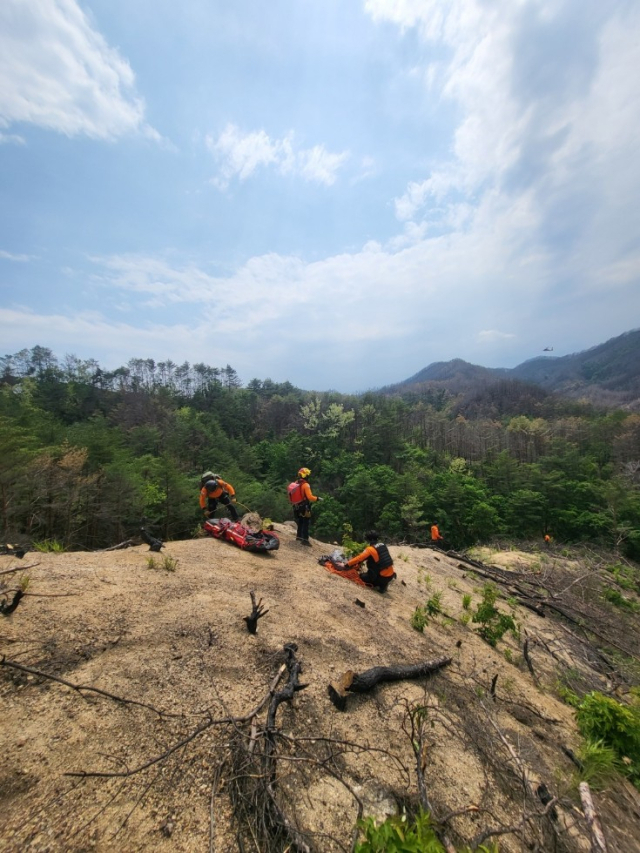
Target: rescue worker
{"type": "Point", "coordinates": [215, 489]}
{"type": "Point", "coordinates": [380, 571]}
{"type": "Point", "coordinates": [437, 540]}
{"type": "Point", "coordinates": [547, 540]}
{"type": "Point", "coordinates": [301, 498]}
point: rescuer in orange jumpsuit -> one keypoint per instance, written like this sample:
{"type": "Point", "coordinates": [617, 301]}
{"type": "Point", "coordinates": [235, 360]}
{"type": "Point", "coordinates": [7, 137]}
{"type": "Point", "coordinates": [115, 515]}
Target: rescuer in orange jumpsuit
{"type": "Point", "coordinates": [214, 490]}
{"type": "Point", "coordinates": [380, 571]}
{"type": "Point", "coordinates": [436, 539]}
{"type": "Point", "coordinates": [301, 497]}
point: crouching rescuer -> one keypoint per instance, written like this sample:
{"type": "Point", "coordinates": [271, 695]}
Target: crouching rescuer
{"type": "Point", "coordinates": [380, 571]}
{"type": "Point", "coordinates": [301, 497]}
{"type": "Point", "coordinates": [214, 490]}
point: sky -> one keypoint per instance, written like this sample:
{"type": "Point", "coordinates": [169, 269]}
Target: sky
{"type": "Point", "coordinates": [334, 193]}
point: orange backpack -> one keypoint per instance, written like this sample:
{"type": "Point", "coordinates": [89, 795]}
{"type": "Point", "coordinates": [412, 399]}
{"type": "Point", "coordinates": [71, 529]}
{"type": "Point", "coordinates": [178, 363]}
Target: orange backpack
{"type": "Point", "coordinates": [294, 490]}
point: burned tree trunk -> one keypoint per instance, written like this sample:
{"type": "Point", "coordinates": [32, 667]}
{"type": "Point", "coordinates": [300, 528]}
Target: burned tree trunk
{"type": "Point", "coordinates": [353, 682]}
{"type": "Point", "coordinates": [257, 612]}
{"type": "Point", "coordinates": [7, 608]}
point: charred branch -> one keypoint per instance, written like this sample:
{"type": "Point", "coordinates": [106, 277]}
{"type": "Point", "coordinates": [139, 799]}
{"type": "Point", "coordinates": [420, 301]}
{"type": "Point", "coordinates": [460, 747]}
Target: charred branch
{"type": "Point", "coordinates": [153, 543]}
{"type": "Point", "coordinates": [257, 612]}
{"type": "Point", "coordinates": [7, 608]}
{"type": "Point", "coordinates": [353, 682]}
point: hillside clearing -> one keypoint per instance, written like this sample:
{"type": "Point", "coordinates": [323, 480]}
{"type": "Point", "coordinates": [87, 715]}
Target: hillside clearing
{"type": "Point", "coordinates": [177, 641]}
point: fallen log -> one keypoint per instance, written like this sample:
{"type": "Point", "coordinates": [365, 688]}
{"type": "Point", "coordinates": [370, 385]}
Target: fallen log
{"type": "Point", "coordinates": [363, 682]}
{"type": "Point", "coordinates": [128, 543]}
{"type": "Point", "coordinates": [598, 843]}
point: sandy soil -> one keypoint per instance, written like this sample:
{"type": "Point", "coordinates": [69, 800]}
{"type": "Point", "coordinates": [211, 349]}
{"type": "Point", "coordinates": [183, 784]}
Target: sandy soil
{"type": "Point", "coordinates": [177, 641]}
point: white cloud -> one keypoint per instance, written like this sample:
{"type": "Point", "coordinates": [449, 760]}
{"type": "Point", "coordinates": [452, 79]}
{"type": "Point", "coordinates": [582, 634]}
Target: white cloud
{"type": "Point", "coordinates": [490, 336]}
{"type": "Point", "coordinates": [9, 256]}
{"type": "Point", "coordinates": [59, 73]}
{"type": "Point", "coordinates": [11, 139]}
{"type": "Point", "coordinates": [240, 154]}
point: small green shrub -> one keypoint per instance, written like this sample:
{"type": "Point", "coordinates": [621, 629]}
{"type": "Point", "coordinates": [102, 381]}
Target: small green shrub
{"type": "Point", "coordinates": [49, 546]}
{"type": "Point", "coordinates": [419, 619]}
{"type": "Point", "coordinates": [603, 719]}
{"type": "Point", "coordinates": [493, 624]}
{"type": "Point", "coordinates": [166, 563]}
{"type": "Point", "coordinates": [398, 834]}
{"type": "Point", "coordinates": [465, 618]}
{"type": "Point", "coordinates": [424, 579]}
{"type": "Point", "coordinates": [433, 605]}
{"type": "Point", "coordinates": [615, 597]}
{"type": "Point", "coordinates": [466, 601]}
{"type": "Point", "coordinates": [600, 763]}
{"type": "Point", "coordinates": [624, 575]}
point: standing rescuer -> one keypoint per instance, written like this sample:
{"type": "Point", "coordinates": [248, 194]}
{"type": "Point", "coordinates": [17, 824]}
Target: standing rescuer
{"type": "Point", "coordinates": [436, 538]}
{"type": "Point", "coordinates": [214, 490]}
{"type": "Point", "coordinates": [380, 571]}
{"type": "Point", "coordinates": [301, 498]}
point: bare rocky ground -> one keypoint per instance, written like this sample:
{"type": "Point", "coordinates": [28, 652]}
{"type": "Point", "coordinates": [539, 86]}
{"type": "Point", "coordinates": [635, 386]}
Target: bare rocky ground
{"type": "Point", "coordinates": [177, 641]}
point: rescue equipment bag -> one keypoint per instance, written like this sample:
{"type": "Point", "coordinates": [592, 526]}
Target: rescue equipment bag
{"type": "Point", "coordinates": [294, 490]}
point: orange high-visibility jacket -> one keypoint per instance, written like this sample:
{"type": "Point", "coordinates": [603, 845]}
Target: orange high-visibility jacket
{"type": "Point", "coordinates": [370, 554]}
{"type": "Point", "coordinates": [221, 487]}
{"type": "Point", "coordinates": [302, 493]}
{"type": "Point", "coordinates": [435, 533]}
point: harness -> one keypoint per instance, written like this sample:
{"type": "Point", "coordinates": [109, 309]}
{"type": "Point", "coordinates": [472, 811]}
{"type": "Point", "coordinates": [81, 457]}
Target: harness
{"type": "Point", "coordinates": [384, 558]}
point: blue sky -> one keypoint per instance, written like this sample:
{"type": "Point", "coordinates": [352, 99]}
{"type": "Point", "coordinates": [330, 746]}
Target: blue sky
{"type": "Point", "coordinates": [331, 192]}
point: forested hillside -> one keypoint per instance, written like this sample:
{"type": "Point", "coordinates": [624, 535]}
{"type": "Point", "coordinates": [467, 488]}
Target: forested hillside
{"type": "Point", "coordinates": [87, 453]}
{"type": "Point", "coordinates": [605, 375]}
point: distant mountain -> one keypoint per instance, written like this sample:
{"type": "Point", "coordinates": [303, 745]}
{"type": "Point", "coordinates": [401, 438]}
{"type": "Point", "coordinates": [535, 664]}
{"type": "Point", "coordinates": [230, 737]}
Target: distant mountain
{"type": "Point", "coordinates": [607, 374]}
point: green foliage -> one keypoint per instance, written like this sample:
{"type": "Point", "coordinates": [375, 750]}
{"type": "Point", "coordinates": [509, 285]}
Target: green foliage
{"type": "Point", "coordinates": [466, 601]}
{"type": "Point", "coordinates": [419, 619]}
{"type": "Point", "coordinates": [603, 719]}
{"type": "Point", "coordinates": [624, 576]}
{"type": "Point", "coordinates": [165, 563]}
{"type": "Point", "coordinates": [48, 546]}
{"type": "Point", "coordinates": [433, 605]}
{"type": "Point", "coordinates": [398, 835]}
{"type": "Point", "coordinates": [569, 696]}
{"type": "Point", "coordinates": [112, 446]}
{"type": "Point", "coordinates": [600, 763]}
{"type": "Point", "coordinates": [493, 624]}
{"type": "Point", "coordinates": [350, 546]}
{"type": "Point", "coordinates": [615, 597]}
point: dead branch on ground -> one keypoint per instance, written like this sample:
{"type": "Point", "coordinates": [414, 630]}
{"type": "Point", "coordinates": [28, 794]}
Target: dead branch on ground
{"type": "Point", "coordinates": [7, 608]}
{"type": "Point", "coordinates": [353, 682]}
{"type": "Point", "coordinates": [598, 842]}
{"type": "Point", "coordinates": [257, 612]}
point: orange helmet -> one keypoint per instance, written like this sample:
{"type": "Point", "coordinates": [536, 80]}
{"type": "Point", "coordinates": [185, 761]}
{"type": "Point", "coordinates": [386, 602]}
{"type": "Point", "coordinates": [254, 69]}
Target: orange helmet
{"type": "Point", "coordinates": [304, 473]}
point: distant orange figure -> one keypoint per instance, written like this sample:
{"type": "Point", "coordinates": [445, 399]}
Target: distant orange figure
{"type": "Point", "coordinates": [547, 540]}
{"type": "Point", "coordinates": [436, 538]}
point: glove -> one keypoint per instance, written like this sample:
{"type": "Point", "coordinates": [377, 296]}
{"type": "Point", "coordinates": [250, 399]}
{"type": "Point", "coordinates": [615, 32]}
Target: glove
{"type": "Point", "coordinates": [319, 499]}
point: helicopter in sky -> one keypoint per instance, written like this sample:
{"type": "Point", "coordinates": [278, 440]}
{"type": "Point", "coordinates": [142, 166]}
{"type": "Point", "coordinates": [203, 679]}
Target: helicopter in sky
{"type": "Point", "coordinates": [548, 349]}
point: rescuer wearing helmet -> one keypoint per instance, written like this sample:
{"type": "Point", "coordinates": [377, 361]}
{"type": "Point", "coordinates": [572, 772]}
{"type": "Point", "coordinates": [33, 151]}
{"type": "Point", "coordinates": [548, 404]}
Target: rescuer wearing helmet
{"type": "Point", "coordinates": [380, 571]}
{"type": "Point", "coordinates": [301, 497]}
{"type": "Point", "coordinates": [214, 490]}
